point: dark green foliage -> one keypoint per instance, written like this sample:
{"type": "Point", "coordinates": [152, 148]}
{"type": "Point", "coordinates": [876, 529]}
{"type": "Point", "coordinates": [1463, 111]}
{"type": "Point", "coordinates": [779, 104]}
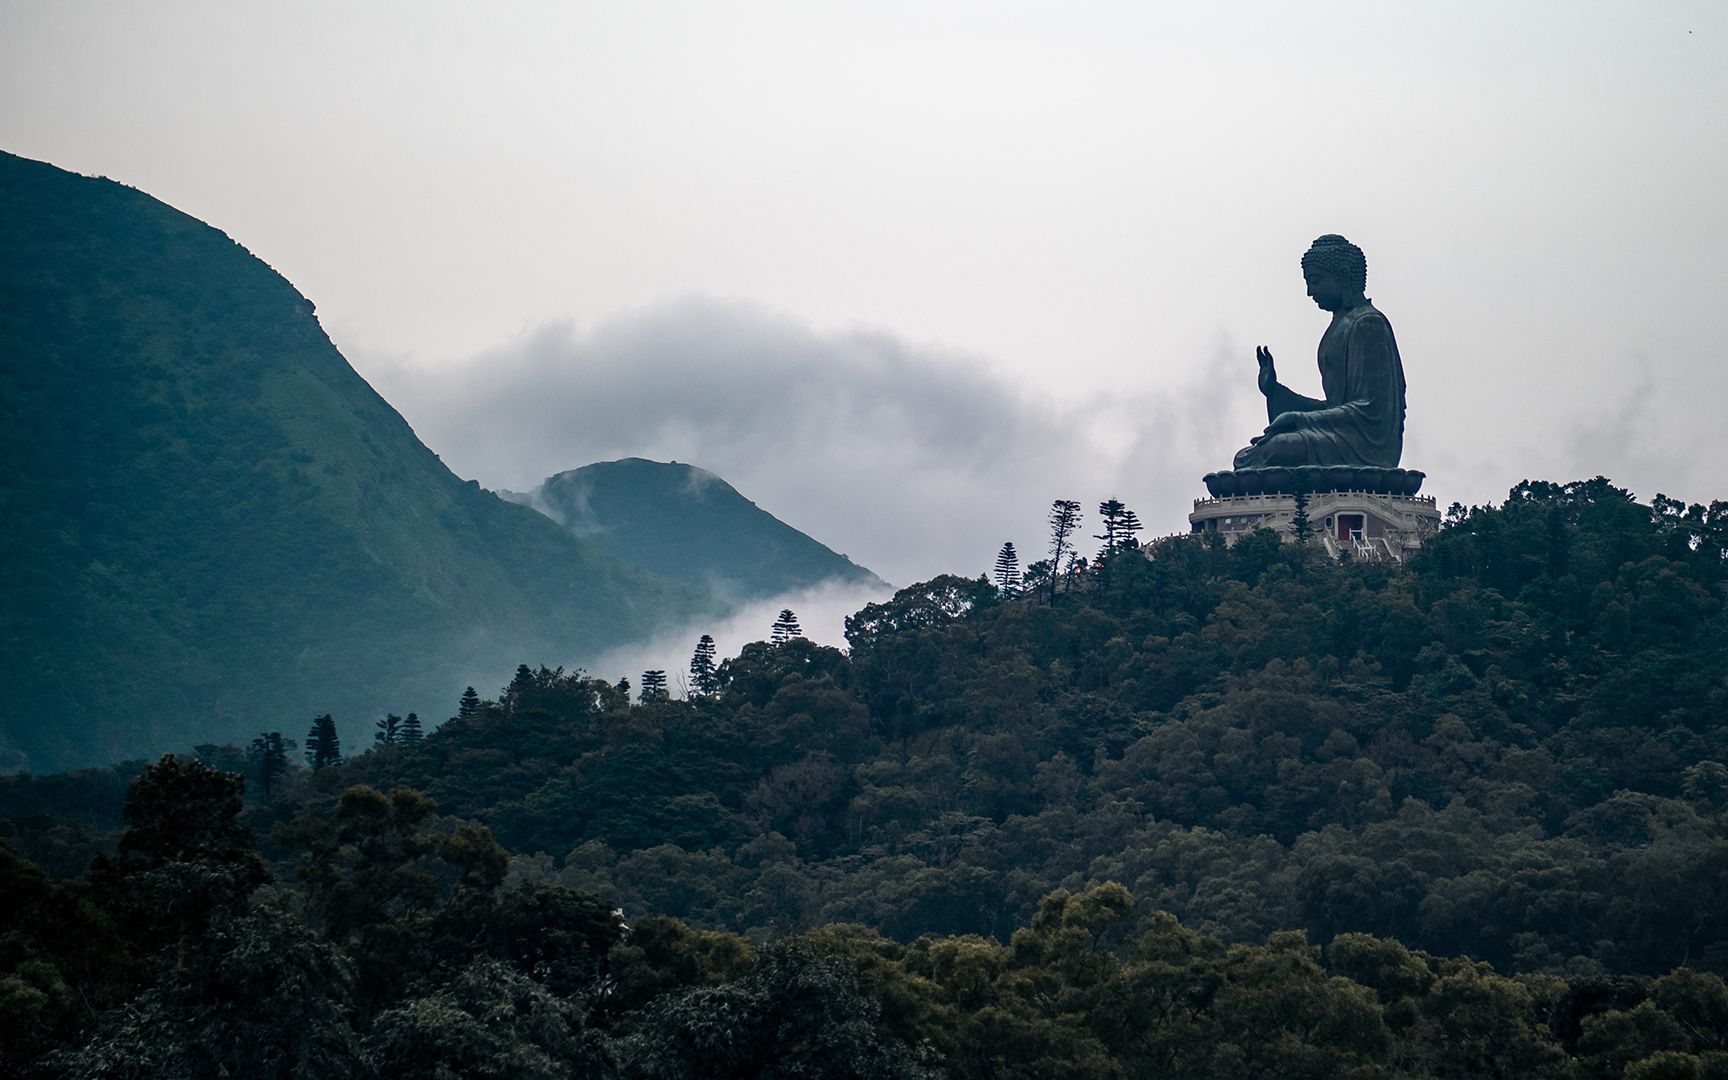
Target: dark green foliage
{"type": "Point", "coordinates": [686, 524]}
{"type": "Point", "coordinates": [323, 746]}
{"type": "Point", "coordinates": [1008, 570]}
{"type": "Point", "coordinates": [469, 705]}
{"type": "Point", "coordinates": [785, 628]}
{"type": "Point", "coordinates": [653, 686]}
{"type": "Point", "coordinates": [447, 973]}
{"type": "Point", "coordinates": [703, 677]}
{"type": "Point", "coordinates": [269, 759]}
{"type": "Point", "coordinates": [796, 1013]}
{"type": "Point", "coordinates": [1251, 740]}
{"type": "Point", "coordinates": [1037, 577]}
{"type": "Point", "coordinates": [1301, 529]}
{"type": "Point", "coordinates": [1460, 818]}
{"type": "Point", "coordinates": [1120, 524]}
{"type": "Point", "coordinates": [262, 996]}
{"type": "Point", "coordinates": [490, 1021]}
{"type": "Point", "coordinates": [181, 809]}
{"type": "Point", "coordinates": [59, 957]}
{"type": "Point", "coordinates": [185, 858]}
{"type": "Point", "coordinates": [213, 525]}
{"type": "Point", "coordinates": [411, 732]}
{"type": "Point", "coordinates": [389, 731]}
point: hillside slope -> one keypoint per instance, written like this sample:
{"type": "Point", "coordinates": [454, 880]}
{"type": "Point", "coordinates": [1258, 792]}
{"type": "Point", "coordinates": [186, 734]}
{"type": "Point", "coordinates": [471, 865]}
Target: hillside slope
{"type": "Point", "coordinates": [687, 524]}
{"type": "Point", "coordinates": [1512, 748]}
{"type": "Point", "coordinates": [215, 526]}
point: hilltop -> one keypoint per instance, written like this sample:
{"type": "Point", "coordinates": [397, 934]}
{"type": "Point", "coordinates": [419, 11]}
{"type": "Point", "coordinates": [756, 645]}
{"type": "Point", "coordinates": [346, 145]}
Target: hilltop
{"type": "Point", "coordinates": [687, 524]}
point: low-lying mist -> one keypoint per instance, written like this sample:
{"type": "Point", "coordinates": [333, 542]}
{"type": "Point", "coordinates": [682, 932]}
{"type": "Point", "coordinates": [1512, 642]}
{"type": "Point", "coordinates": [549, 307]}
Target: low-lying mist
{"type": "Point", "coordinates": [821, 612]}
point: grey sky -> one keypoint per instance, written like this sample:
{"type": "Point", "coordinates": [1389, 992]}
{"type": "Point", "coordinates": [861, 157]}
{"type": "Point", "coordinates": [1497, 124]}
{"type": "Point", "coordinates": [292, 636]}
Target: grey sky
{"type": "Point", "coordinates": [1063, 217]}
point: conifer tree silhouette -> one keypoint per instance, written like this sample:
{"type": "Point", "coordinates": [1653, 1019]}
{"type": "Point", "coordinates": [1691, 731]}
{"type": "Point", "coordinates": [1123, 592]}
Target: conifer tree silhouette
{"type": "Point", "coordinates": [785, 628]}
{"type": "Point", "coordinates": [270, 751]}
{"type": "Point", "coordinates": [322, 745]}
{"type": "Point", "coordinates": [703, 680]}
{"type": "Point", "coordinates": [1008, 570]}
{"type": "Point", "coordinates": [1064, 518]}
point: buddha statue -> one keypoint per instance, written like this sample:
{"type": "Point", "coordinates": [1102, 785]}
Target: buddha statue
{"type": "Point", "coordinates": [1360, 420]}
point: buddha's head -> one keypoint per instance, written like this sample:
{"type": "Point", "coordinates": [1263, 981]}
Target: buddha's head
{"type": "Point", "coordinates": [1336, 272]}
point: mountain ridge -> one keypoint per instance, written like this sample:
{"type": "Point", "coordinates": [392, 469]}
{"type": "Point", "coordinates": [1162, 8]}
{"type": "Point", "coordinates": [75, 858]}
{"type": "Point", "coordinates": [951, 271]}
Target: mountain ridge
{"type": "Point", "coordinates": [217, 526]}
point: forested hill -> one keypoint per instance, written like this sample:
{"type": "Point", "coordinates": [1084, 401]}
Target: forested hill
{"type": "Point", "coordinates": [687, 524]}
{"type": "Point", "coordinates": [1207, 812]}
{"type": "Point", "coordinates": [214, 526]}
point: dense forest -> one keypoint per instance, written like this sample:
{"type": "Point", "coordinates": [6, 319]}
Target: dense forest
{"type": "Point", "coordinates": [1197, 811]}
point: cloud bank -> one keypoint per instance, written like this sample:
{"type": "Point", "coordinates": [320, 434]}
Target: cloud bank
{"type": "Point", "coordinates": [911, 459]}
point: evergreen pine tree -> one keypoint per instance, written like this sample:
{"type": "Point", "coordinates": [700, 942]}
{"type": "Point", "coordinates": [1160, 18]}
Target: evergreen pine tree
{"type": "Point", "coordinates": [1008, 570]}
{"type": "Point", "coordinates": [1300, 527]}
{"type": "Point", "coordinates": [653, 685]}
{"type": "Point", "coordinates": [411, 732]}
{"type": "Point", "coordinates": [702, 675]}
{"type": "Point", "coordinates": [624, 687]}
{"type": "Point", "coordinates": [469, 705]}
{"type": "Point", "coordinates": [1111, 512]}
{"type": "Point", "coordinates": [1126, 526]}
{"type": "Point", "coordinates": [1120, 524]}
{"type": "Point", "coordinates": [322, 746]}
{"type": "Point", "coordinates": [520, 684]}
{"type": "Point", "coordinates": [1064, 518]}
{"type": "Point", "coordinates": [785, 628]}
{"type": "Point", "coordinates": [389, 731]}
{"type": "Point", "coordinates": [269, 754]}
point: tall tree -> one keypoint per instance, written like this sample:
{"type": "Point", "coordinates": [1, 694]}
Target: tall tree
{"type": "Point", "coordinates": [1300, 527]}
{"type": "Point", "coordinates": [269, 754]}
{"type": "Point", "coordinates": [389, 731]}
{"type": "Point", "coordinates": [469, 705]}
{"type": "Point", "coordinates": [653, 685]}
{"type": "Point", "coordinates": [1126, 527]}
{"type": "Point", "coordinates": [1120, 524]}
{"type": "Point", "coordinates": [520, 684]}
{"type": "Point", "coordinates": [1008, 569]}
{"type": "Point", "coordinates": [411, 732]}
{"type": "Point", "coordinates": [1064, 519]}
{"type": "Point", "coordinates": [702, 675]}
{"type": "Point", "coordinates": [322, 746]}
{"type": "Point", "coordinates": [785, 628]}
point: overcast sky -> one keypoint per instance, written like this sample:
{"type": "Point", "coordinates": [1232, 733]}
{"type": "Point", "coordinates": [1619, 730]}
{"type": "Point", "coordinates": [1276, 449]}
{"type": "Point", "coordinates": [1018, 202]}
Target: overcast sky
{"type": "Point", "coordinates": [904, 273]}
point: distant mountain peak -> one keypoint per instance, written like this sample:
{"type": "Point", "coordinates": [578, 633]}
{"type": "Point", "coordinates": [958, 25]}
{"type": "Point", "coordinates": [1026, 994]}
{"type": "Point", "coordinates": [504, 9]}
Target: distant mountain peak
{"type": "Point", "coordinates": [680, 521]}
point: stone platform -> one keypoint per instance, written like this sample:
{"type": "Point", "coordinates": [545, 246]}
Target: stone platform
{"type": "Point", "coordinates": [1366, 524]}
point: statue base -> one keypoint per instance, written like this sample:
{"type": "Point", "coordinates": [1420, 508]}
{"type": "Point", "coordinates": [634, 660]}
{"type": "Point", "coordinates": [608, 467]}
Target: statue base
{"type": "Point", "coordinates": [1312, 479]}
{"type": "Point", "coordinates": [1373, 525]}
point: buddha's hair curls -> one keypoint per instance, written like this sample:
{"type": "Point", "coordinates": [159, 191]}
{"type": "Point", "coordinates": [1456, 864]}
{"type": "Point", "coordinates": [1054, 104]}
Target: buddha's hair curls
{"type": "Point", "coordinates": [1339, 256]}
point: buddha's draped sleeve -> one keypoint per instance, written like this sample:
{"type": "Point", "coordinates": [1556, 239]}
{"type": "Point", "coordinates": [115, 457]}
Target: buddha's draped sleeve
{"type": "Point", "coordinates": [1367, 423]}
{"type": "Point", "coordinates": [1282, 399]}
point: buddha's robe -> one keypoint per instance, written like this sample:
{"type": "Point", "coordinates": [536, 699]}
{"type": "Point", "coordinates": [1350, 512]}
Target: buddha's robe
{"type": "Point", "coordinates": [1361, 421]}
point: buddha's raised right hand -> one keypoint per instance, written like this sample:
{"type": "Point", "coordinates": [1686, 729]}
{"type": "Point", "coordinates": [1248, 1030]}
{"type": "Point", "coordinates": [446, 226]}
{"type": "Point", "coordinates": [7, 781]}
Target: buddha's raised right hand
{"type": "Point", "coordinates": [1268, 376]}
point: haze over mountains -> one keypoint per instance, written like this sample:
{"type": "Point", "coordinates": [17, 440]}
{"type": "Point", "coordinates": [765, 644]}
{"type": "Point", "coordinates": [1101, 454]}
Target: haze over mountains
{"type": "Point", "coordinates": [216, 527]}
